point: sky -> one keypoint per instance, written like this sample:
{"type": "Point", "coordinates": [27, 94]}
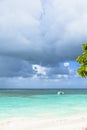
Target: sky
{"type": "Point", "coordinates": [40, 41]}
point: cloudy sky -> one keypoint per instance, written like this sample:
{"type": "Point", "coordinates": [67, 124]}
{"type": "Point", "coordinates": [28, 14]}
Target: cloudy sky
{"type": "Point", "coordinates": [40, 41]}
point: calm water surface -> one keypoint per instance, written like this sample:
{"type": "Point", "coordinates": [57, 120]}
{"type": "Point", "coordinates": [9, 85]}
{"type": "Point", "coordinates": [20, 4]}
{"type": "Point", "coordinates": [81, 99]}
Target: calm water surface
{"type": "Point", "coordinates": [29, 103]}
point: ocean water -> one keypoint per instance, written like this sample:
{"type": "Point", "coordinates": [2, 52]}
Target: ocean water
{"type": "Point", "coordinates": [36, 103]}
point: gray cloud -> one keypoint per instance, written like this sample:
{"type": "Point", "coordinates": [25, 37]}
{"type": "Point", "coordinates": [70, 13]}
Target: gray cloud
{"type": "Point", "coordinates": [13, 67]}
{"type": "Point", "coordinates": [60, 69]}
{"type": "Point", "coordinates": [42, 32]}
{"type": "Point", "coordinates": [42, 83]}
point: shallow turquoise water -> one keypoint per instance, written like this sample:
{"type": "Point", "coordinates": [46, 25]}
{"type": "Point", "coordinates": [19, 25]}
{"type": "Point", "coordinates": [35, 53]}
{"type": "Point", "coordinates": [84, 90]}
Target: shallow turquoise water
{"type": "Point", "coordinates": [20, 105]}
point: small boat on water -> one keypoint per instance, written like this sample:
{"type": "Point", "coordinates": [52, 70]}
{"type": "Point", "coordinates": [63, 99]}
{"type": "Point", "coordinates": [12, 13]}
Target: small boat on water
{"type": "Point", "coordinates": [60, 92]}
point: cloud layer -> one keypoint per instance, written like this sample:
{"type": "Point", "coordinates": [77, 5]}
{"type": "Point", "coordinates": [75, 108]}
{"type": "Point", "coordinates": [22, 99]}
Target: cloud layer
{"type": "Point", "coordinates": [13, 67]}
{"type": "Point", "coordinates": [45, 33]}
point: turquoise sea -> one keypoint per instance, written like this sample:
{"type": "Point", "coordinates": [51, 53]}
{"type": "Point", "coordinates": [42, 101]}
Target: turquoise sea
{"type": "Point", "coordinates": [38, 102]}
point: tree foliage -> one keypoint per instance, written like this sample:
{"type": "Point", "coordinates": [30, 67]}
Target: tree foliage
{"type": "Point", "coordinates": [82, 60]}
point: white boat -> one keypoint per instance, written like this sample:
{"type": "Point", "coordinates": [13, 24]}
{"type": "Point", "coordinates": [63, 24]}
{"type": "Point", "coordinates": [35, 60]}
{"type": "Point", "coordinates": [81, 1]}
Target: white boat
{"type": "Point", "coordinates": [60, 92]}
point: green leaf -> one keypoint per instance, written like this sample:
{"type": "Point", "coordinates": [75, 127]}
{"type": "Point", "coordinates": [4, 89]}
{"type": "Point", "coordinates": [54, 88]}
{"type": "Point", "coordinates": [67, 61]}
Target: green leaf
{"type": "Point", "coordinates": [84, 47]}
{"type": "Point", "coordinates": [82, 60]}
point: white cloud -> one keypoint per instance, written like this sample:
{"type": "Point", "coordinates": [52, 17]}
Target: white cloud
{"type": "Point", "coordinates": [39, 69]}
{"type": "Point", "coordinates": [66, 64]}
{"type": "Point", "coordinates": [61, 76]}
